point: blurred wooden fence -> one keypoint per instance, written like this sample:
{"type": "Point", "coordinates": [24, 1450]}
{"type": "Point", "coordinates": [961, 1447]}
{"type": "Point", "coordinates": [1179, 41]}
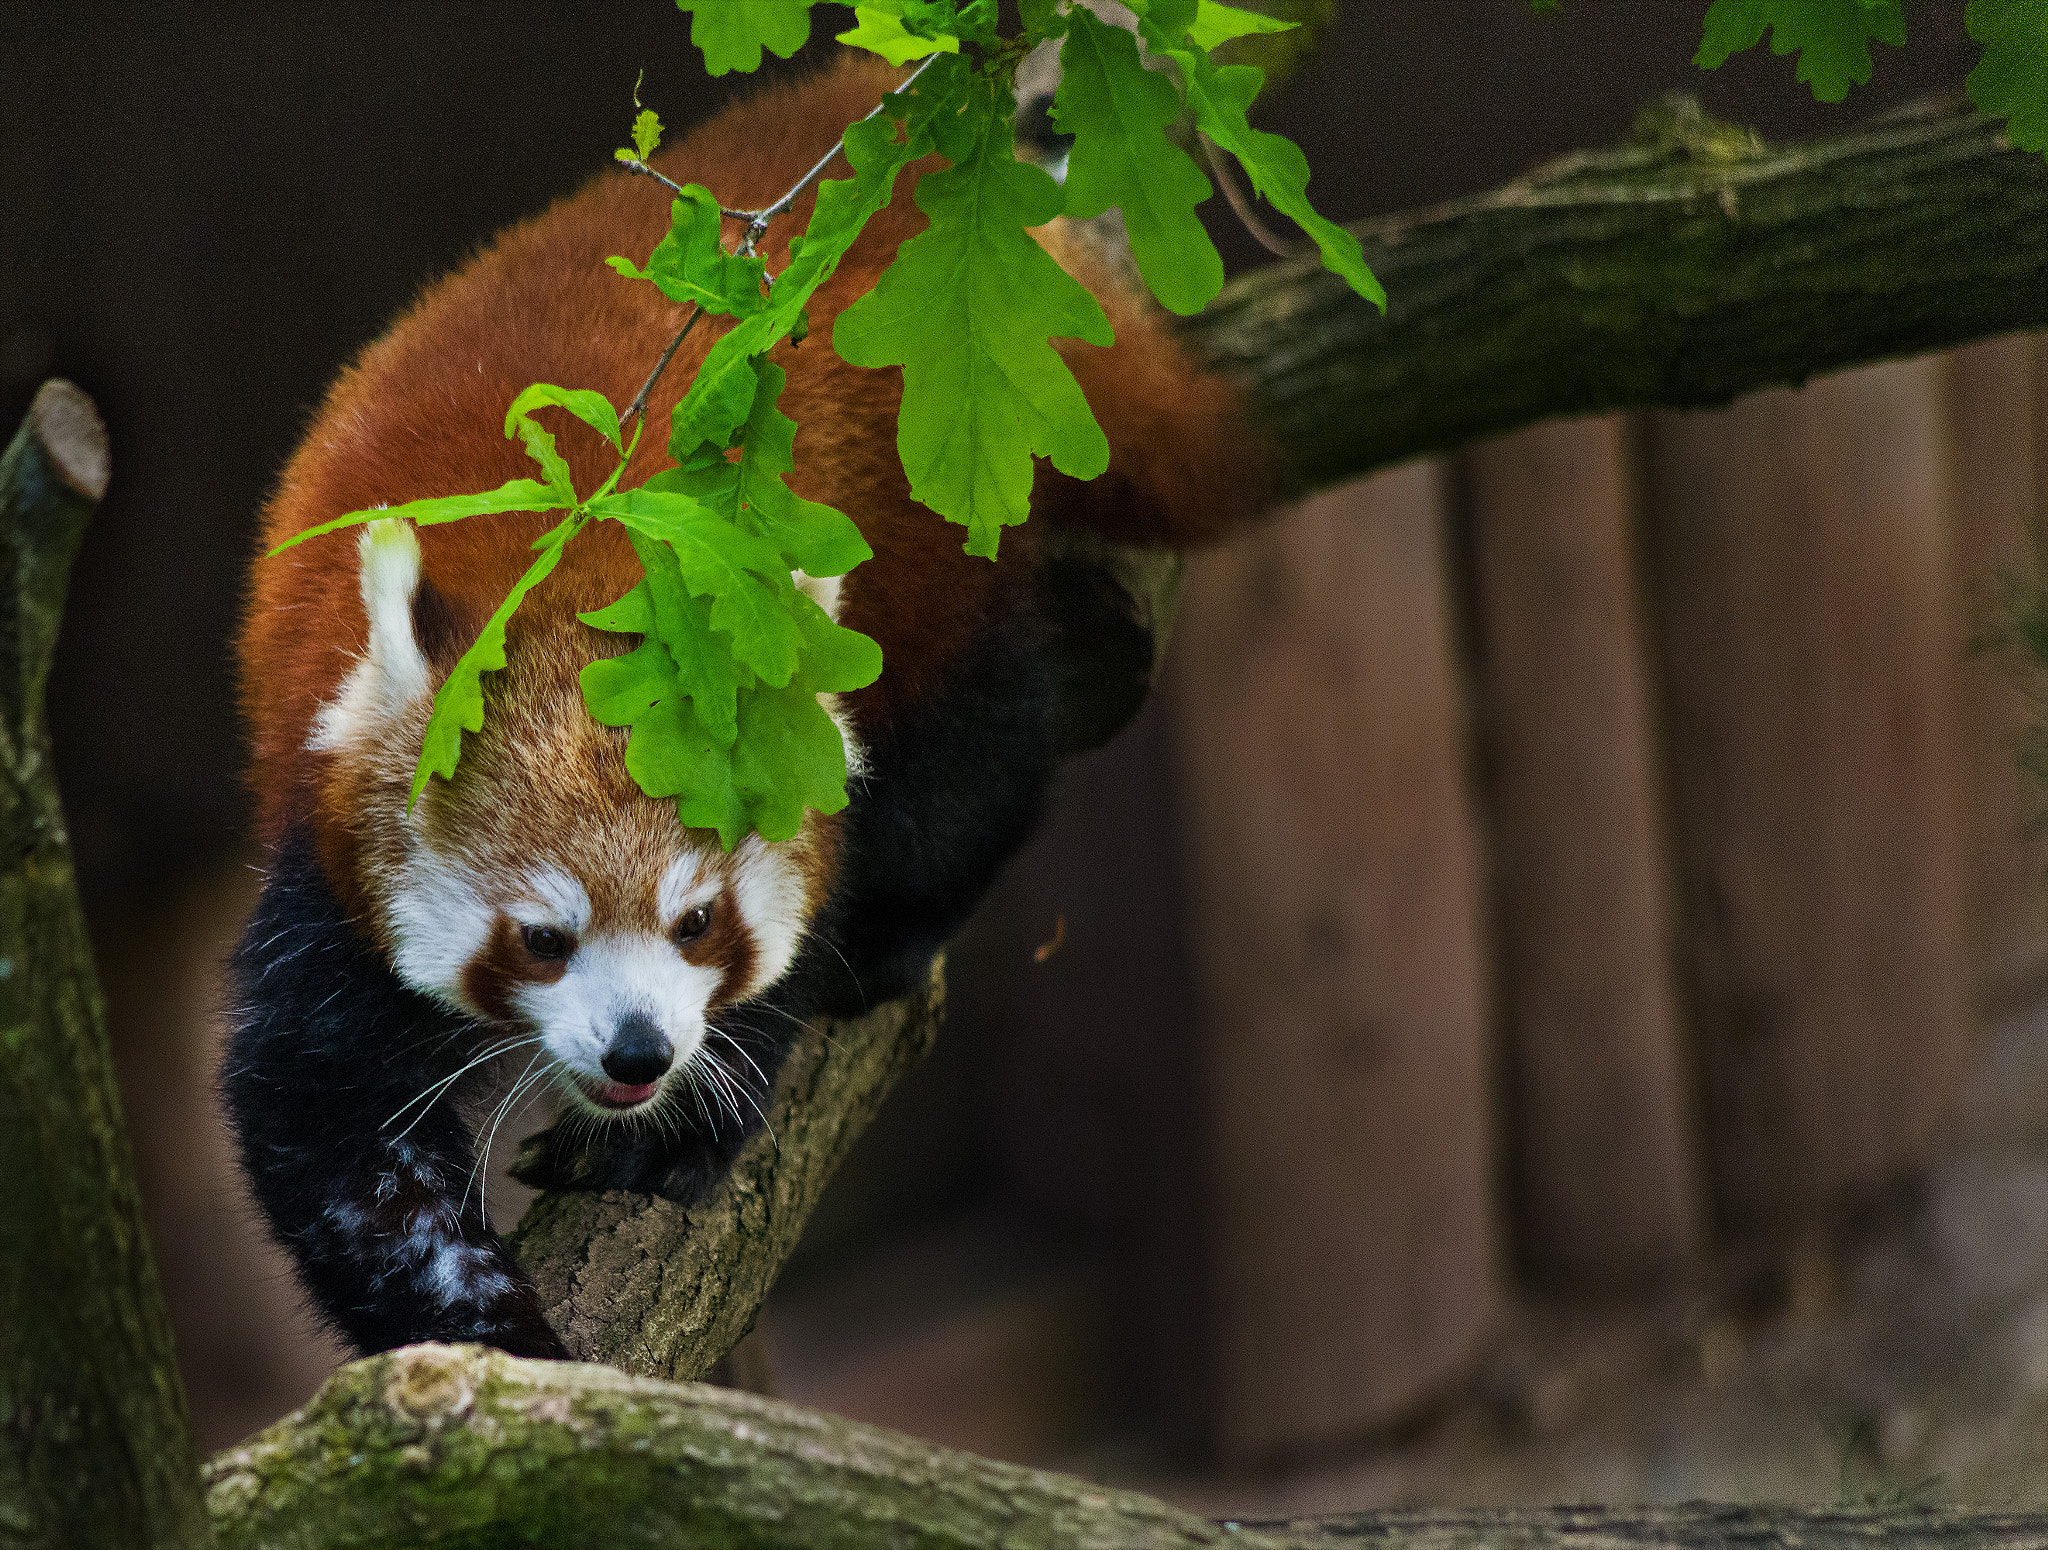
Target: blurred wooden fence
{"type": "Point", "coordinates": [1604, 845]}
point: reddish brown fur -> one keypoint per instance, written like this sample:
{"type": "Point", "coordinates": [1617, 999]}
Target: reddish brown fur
{"type": "Point", "coordinates": [726, 943]}
{"type": "Point", "coordinates": [502, 967]}
{"type": "Point", "coordinates": [420, 412]}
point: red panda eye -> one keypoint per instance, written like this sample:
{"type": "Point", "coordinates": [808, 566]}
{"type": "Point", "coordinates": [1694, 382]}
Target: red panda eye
{"type": "Point", "coordinates": [547, 942]}
{"type": "Point", "coordinates": [695, 922]}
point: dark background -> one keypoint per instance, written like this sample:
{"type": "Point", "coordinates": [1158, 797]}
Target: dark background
{"type": "Point", "coordinates": [204, 211]}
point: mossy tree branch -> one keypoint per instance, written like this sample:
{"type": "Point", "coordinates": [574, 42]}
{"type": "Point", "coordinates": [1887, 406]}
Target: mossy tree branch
{"type": "Point", "coordinates": [452, 1446]}
{"type": "Point", "coordinates": [1680, 271]}
{"type": "Point", "coordinates": [93, 1444]}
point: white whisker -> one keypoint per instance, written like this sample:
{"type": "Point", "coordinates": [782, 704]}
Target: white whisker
{"type": "Point", "coordinates": [432, 1093]}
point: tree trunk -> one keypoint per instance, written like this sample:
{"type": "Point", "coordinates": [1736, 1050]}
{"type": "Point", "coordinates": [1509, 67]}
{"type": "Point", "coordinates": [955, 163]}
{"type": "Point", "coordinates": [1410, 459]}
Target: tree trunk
{"type": "Point", "coordinates": [93, 1447]}
{"type": "Point", "coordinates": [1573, 780]}
{"type": "Point", "coordinates": [1995, 410]}
{"type": "Point", "coordinates": [1801, 575]}
{"type": "Point", "coordinates": [1337, 925]}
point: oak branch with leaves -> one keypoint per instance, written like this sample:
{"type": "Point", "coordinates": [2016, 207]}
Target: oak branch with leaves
{"type": "Point", "coordinates": [721, 695]}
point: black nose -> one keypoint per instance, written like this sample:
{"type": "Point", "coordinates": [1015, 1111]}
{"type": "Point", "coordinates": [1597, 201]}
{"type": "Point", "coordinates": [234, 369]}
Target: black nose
{"type": "Point", "coordinates": [639, 1053]}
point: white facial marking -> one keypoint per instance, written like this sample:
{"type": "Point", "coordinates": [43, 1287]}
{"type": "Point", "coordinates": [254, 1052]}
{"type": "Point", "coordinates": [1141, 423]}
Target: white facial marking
{"type": "Point", "coordinates": [392, 672]}
{"type": "Point", "coordinates": [822, 590]}
{"type": "Point", "coordinates": [554, 898]}
{"type": "Point", "coordinates": [438, 923]}
{"type": "Point", "coordinates": [610, 977]}
{"type": "Point", "coordinates": [682, 885]}
{"type": "Point", "coordinates": [770, 891]}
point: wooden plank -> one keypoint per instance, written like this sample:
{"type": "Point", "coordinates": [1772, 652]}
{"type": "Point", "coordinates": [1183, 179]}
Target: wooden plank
{"type": "Point", "coordinates": [1337, 929]}
{"type": "Point", "coordinates": [1799, 571]}
{"type": "Point", "coordinates": [1993, 414]}
{"type": "Point", "coordinates": [1605, 1179]}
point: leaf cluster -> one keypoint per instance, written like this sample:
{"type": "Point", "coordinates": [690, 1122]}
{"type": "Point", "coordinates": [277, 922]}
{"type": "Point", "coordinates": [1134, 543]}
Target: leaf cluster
{"type": "Point", "coordinates": [1832, 39]}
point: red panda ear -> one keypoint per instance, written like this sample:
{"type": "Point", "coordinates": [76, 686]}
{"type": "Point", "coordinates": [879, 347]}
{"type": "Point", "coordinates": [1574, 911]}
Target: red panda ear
{"type": "Point", "coordinates": [392, 673]}
{"type": "Point", "coordinates": [441, 634]}
{"type": "Point", "coordinates": [822, 590]}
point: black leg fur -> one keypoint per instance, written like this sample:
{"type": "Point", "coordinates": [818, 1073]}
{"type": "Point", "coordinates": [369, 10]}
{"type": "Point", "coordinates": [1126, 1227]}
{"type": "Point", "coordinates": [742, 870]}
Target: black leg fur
{"type": "Point", "coordinates": [384, 1220]}
{"type": "Point", "coordinates": [950, 795]}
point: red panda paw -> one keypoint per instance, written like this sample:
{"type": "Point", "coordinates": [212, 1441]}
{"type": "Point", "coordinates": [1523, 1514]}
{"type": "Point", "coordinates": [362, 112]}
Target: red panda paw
{"type": "Point", "coordinates": [641, 1162]}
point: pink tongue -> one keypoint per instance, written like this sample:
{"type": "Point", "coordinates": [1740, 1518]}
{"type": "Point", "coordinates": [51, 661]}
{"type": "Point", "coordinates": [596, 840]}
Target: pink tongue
{"type": "Point", "coordinates": [619, 1093]}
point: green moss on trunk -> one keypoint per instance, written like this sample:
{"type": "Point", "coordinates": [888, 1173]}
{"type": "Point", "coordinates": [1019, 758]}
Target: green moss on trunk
{"type": "Point", "coordinates": [93, 1444]}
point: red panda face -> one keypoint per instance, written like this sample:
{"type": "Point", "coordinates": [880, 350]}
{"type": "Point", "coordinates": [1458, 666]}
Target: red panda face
{"type": "Point", "coordinates": [541, 888]}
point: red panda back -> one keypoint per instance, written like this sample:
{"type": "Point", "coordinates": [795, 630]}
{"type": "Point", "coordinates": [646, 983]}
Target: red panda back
{"type": "Point", "coordinates": [420, 414]}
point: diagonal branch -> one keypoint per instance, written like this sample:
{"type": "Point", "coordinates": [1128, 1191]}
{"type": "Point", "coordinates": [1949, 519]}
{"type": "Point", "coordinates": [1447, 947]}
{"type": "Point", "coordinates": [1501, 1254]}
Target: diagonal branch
{"type": "Point", "coordinates": [655, 1289]}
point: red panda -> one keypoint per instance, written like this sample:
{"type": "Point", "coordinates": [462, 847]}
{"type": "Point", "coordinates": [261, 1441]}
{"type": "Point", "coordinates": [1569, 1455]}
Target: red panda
{"type": "Point", "coordinates": [538, 913]}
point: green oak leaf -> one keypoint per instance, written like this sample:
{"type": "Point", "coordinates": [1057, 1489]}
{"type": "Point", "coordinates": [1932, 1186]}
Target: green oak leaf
{"type": "Point", "coordinates": [836, 659]}
{"type": "Point", "coordinates": [744, 575]}
{"type": "Point", "coordinates": [646, 132]}
{"type": "Point", "coordinates": [1215, 24]}
{"type": "Point", "coordinates": [967, 310]}
{"type": "Point", "coordinates": [690, 265]}
{"type": "Point", "coordinates": [670, 753]}
{"type": "Point", "coordinates": [1118, 111]}
{"type": "Point", "coordinates": [618, 691]}
{"type": "Point", "coordinates": [592, 408]}
{"type": "Point", "coordinates": [513, 495]}
{"type": "Point", "coordinates": [736, 753]}
{"type": "Point", "coordinates": [459, 702]}
{"type": "Point", "coordinates": [879, 32]}
{"type": "Point", "coordinates": [750, 491]}
{"type": "Point", "coordinates": [1221, 97]}
{"type": "Point", "coordinates": [1832, 37]}
{"type": "Point", "coordinates": [722, 394]}
{"type": "Point", "coordinates": [789, 757]}
{"type": "Point", "coordinates": [732, 33]}
{"type": "Point", "coordinates": [2012, 77]}
{"type": "Point", "coordinates": [691, 661]}
{"type": "Point", "coordinates": [632, 614]}
{"type": "Point", "coordinates": [1166, 23]}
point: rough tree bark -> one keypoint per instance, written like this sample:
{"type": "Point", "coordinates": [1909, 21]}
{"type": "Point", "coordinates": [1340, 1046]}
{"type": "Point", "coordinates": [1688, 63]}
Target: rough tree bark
{"type": "Point", "coordinates": [445, 1446]}
{"type": "Point", "coordinates": [93, 1446]}
{"type": "Point", "coordinates": [651, 1288]}
{"type": "Point", "coordinates": [1677, 272]}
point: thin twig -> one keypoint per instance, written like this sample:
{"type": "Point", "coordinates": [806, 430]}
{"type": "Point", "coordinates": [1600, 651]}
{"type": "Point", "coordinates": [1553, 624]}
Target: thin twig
{"type": "Point", "coordinates": [1226, 179]}
{"type": "Point", "coordinates": [757, 220]}
{"type": "Point", "coordinates": [757, 223]}
{"type": "Point", "coordinates": [639, 403]}
{"type": "Point", "coordinates": [646, 171]}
